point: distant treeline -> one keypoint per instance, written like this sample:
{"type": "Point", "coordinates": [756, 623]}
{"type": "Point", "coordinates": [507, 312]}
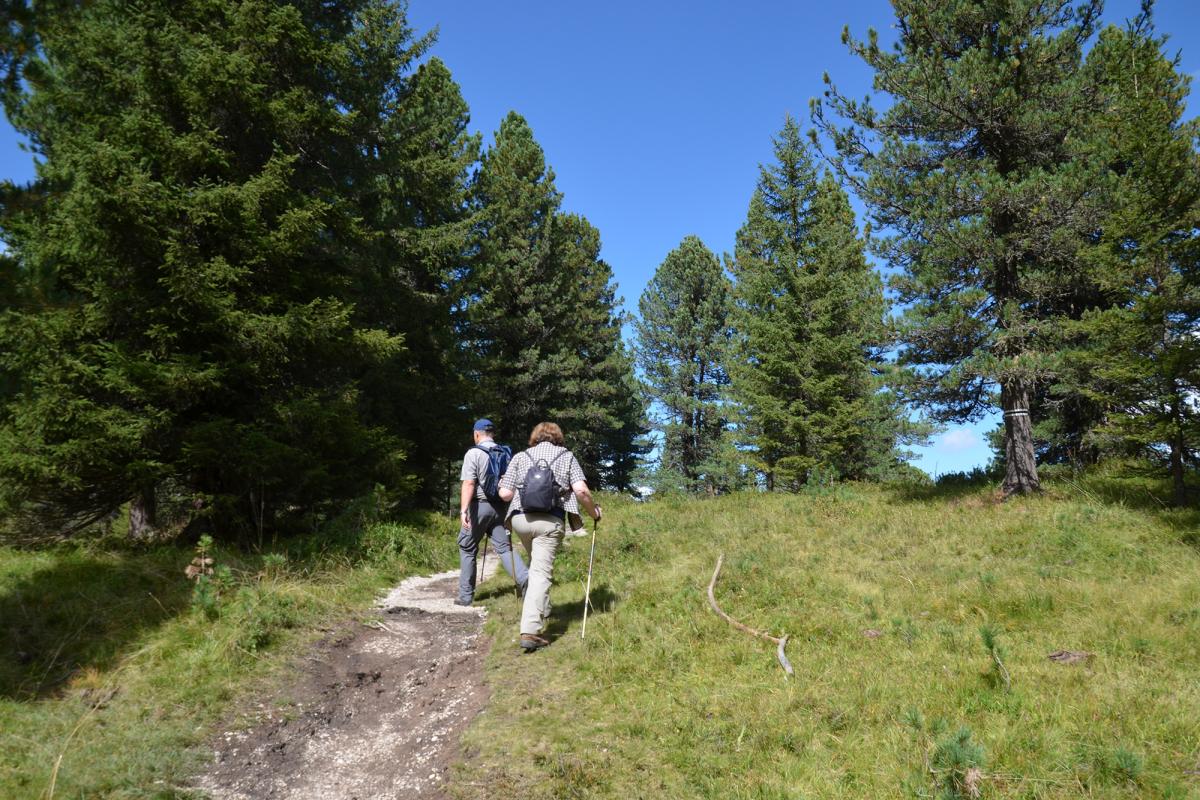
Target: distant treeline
{"type": "Point", "coordinates": [1034, 194]}
{"type": "Point", "coordinates": [264, 269]}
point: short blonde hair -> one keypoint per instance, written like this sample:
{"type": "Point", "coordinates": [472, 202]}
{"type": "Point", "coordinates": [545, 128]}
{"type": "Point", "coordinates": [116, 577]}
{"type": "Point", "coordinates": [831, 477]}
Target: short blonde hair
{"type": "Point", "coordinates": [547, 432]}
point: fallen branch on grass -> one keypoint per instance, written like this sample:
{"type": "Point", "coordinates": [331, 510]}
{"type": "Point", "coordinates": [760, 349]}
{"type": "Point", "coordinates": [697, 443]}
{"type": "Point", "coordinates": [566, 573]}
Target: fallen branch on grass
{"type": "Point", "coordinates": [781, 641]}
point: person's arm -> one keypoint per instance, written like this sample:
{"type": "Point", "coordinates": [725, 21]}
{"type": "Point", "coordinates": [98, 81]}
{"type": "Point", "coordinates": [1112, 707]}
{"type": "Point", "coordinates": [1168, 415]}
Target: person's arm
{"type": "Point", "coordinates": [508, 481]}
{"type": "Point", "coordinates": [464, 502]}
{"type": "Point", "coordinates": [585, 499]}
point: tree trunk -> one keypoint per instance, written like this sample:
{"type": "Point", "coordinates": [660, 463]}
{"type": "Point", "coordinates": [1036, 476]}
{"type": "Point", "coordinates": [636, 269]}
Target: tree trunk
{"type": "Point", "coordinates": [142, 512]}
{"type": "Point", "coordinates": [1177, 472]}
{"type": "Point", "coordinates": [1020, 466]}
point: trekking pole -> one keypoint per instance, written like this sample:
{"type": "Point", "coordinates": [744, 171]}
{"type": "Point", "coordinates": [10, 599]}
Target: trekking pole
{"type": "Point", "coordinates": [512, 562]}
{"type": "Point", "coordinates": [483, 561]}
{"type": "Point", "coordinates": [587, 597]}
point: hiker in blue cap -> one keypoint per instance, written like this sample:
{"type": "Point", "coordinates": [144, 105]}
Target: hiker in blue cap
{"type": "Point", "coordinates": [482, 512]}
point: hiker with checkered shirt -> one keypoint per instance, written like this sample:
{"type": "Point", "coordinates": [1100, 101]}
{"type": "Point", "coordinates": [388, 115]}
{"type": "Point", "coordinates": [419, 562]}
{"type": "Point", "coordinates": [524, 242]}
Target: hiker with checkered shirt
{"type": "Point", "coordinates": [542, 486]}
{"type": "Point", "coordinates": [482, 515]}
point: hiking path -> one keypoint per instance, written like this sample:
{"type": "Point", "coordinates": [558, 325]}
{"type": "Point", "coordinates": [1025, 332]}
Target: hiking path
{"type": "Point", "coordinates": [375, 711]}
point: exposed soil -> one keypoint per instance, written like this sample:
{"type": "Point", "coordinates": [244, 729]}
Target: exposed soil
{"type": "Point", "coordinates": [376, 710]}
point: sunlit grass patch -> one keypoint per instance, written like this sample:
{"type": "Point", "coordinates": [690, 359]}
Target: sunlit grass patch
{"type": "Point", "coordinates": [886, 596]}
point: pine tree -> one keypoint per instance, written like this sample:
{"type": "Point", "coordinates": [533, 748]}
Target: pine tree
{"type": "Point", "coordinates": [1139, 358]}
{"type": "Point", "coordinates": [859, 422]}
{"type": "Point", "coordinates": [18, 39]}
{"type": "Point", "coordinates": [974, 170]}
{"type": "Point", "coordinates": [420, 199]}
{"type": "Point", "coordinates": [767, 370]}
{"type": "Point", "coordinates": [204, 252]}
{"type": "Point", "coordinates": [809, 320]}
{"type": "Point", "coordinates": [513, 293]}
{"type": "Point", "coordinates": [683, 338]}
{"type": "Point", "coordinates": [542, 319]}
{"type": "Point", "coordinates": [596, 394]}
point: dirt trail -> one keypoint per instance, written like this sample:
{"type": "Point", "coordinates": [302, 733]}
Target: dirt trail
{"type": "Point", "coordinates": [376, 711]}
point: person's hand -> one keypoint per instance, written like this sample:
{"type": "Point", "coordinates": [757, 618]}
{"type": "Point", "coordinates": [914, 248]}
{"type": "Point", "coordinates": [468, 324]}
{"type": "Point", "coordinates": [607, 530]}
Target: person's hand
{"type": "Point", "coordinates": [596, 513]}
{"type": "Point", "coordinates": [465, 516]}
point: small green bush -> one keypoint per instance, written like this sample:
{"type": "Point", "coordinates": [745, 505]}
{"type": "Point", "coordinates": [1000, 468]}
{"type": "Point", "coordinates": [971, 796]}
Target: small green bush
{"type": "Point", "coordinates": [262, 614]}
{"type": "Point", "coordinates": [999, 672]}
{"type": "Point", "coordinates": [957, 765]}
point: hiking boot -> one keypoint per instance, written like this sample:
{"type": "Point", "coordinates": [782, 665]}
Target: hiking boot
{"type": "Point", "coordinates": [461, 602]}
{"type": "Point", "coordinates": [531, 642]}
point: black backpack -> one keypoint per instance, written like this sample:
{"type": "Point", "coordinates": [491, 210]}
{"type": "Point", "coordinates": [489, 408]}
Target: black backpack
{"type": "Point", "coordinates": [498, 457]}
{"type": "Point", "coordinates": [541, 492]}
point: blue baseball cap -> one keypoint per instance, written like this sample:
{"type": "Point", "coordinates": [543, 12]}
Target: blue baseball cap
{"type": "Point", "coordinates": [484, 425]}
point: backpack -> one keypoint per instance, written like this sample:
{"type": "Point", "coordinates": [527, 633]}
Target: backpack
{"type": "Point", "coordinates": [541, 492]}
{"type": "Point", "coordinates": [498, 457]}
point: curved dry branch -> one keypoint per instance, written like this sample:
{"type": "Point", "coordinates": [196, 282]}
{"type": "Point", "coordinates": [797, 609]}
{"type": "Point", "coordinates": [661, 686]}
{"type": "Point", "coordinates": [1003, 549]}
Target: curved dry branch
{"type": "Point", "coordinates": [783, 659]}
{"type": "Point", "coordinates": [781, 642]}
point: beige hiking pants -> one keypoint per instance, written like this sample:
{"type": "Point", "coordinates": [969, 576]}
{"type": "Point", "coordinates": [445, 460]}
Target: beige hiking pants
{"type": "Point", "coordinates": [542, 535]}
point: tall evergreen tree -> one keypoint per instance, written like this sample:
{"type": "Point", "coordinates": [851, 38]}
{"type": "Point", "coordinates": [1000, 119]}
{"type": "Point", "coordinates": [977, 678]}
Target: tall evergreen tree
{"type": "Point", "coordinates": [858, 419]}
{"type": "Point", "coordinates": [683, 339]}
{"type": "Point", "coordinates": [809, 320]}
{"type": "Point", "coordinates": [513, 290]}
{"type": "Point", "coordinates": [420, 204]}
{"type": "Point", "coordinates": [974, 170]}
{"type": "Point", "coordinates": [542, 320]}
{"type": "Point", "coordinates": [597, 395]}
{"type": "Point", "coordinates": [767, 372]}
{"type": "Point", "coordinates": [204, 252]}
{"type": "Point", "coordinates": [1139, 358]}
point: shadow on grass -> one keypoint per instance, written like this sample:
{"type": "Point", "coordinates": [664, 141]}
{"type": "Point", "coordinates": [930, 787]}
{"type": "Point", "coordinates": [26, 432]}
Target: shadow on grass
{"type": "Point", "coordinates": [82, 612]}
{"type": "Point", "coordinates": [1141, 491]}
{"type": "Point", "coordinates": [945, 492]}
{"type": "Point", "coordinates": [1137, 488]}
{"type": "Point", "coordinates": [499, 586]}
{"type": "Point", "coordinates": [1140, 486]}
{"type": "Point", "coordinates": [565, 616]}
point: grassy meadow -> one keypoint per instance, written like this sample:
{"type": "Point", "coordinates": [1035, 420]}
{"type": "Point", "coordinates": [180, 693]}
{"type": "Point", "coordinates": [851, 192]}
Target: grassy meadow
{"type": "Point", "coordinates": [113, 668]}
{"type": "Point", "coordinates": [887, 594]}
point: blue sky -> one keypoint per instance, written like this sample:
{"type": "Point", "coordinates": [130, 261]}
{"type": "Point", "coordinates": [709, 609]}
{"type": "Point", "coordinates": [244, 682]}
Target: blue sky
{"type": "Point", "coordinates": [655, 115]}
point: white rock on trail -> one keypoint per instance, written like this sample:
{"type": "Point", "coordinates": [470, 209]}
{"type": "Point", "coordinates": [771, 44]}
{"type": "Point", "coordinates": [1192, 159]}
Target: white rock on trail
{"type": "Point", "coordinates": [421, 592]}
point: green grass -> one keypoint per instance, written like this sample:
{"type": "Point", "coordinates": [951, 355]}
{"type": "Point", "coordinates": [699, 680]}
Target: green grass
{"type": "Point", "coordinates": [106, 662]}
{"type": "Point", "coordinates": [664, 700]}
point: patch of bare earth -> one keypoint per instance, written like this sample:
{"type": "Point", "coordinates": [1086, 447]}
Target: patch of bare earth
{"type": "Point", "coordinates": [375, 712]}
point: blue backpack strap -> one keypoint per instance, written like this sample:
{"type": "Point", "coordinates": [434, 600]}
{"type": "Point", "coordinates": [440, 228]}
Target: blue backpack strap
{"type": "Point", "coordinates": [493, 472]}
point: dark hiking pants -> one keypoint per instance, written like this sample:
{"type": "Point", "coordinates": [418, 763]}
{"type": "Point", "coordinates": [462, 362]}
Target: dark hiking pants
{"type": "Point", "coordinates": [485, 520]}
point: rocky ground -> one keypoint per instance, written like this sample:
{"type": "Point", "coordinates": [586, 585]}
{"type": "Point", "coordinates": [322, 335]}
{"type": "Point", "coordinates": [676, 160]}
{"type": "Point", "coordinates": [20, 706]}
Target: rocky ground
{"type": "Point", "coordinates": [375, 712]}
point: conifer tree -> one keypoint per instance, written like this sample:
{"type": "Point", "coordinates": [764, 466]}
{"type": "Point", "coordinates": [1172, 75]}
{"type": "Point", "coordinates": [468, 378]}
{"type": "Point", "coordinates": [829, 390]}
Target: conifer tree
{"type": "Point", "coordinates": [809, 319]}
{"type": "Point", "coordinates": [205, 253]}
{"type": "Point", "coordinates": [973, 169]}
{"type": "Point", "coordinates": [683, 338]}
{"type": "Point", "coordinates": [767, 372]}
{"type": "Point", "coordinates": [420, 201]}
{"type": "Point", "coordinates": [1139, 358]}
{"type": "Point", "coordinates": [858, 420]}
{"type": "Point", "coordinates": [542, 319]}
{"type": "Point", "coordinates": [596, 394]}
